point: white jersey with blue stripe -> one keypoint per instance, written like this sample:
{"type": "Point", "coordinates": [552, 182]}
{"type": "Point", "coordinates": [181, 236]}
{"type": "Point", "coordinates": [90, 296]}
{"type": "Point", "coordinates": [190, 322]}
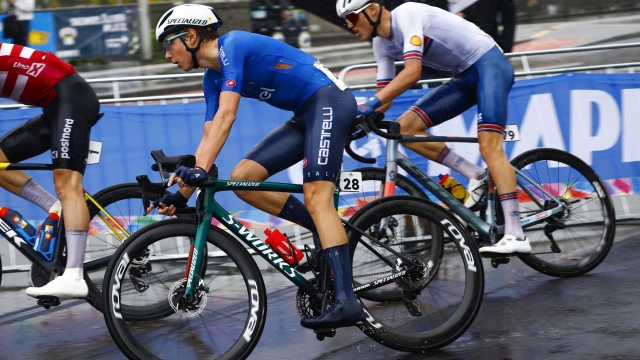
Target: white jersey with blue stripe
{"type": "Point", "coordinates": [440, 39]}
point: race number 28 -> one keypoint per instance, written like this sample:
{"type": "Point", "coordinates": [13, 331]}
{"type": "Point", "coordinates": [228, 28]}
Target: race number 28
{"type": "Point", "coordinates": [351, 181]}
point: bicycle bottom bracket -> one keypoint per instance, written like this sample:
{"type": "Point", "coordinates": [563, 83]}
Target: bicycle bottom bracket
{"type": "Point", "coordinates": [189, 307]}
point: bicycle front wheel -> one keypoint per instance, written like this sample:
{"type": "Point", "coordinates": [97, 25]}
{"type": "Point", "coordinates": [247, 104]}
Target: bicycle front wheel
{"type": "Point", "coordinates": [223, 320]}
{"type": "Point", "coordinates": [439, 301]}
{"type": "Point", "coordinates": [584, 232]}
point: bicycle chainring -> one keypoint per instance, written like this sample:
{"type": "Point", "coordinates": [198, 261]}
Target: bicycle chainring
{"type": "Point", "coordinates": [304, 305]}
{"type": "Point", "coordinates": [38, 276]}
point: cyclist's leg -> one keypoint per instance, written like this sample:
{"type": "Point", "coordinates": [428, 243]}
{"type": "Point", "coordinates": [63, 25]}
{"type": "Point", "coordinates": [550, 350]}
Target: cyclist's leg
{"type": "Point", "coordinates": [445, 102]}
{"type": "Point", "coordinates": [73, 113]}
{"type": "Point", "coordinates": [329, 118]}
{"type": "Point", "coordinates": [495, 79]}
{"type": "Point", "coordinates": [27, 140]}
{"type": "Point", "coordinates": [280, 149]}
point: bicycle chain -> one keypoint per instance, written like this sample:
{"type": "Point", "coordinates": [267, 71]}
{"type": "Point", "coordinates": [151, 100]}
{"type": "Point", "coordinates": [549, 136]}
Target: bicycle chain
{"type": "Point", "coordinates": [374, 274]}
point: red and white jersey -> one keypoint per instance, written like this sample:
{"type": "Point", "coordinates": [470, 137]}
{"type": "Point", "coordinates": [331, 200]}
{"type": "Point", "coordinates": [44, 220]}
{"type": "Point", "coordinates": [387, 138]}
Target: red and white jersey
{"type": "Point", "coordinates": [440, 39]}
{"type": "Point", "coordinates": [28, 76]}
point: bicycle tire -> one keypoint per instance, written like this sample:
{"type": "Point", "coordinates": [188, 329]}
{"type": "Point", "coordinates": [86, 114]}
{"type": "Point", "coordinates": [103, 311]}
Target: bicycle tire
{"type": "Point", "coordinates": [404, 186]}
{"type": "Point", "coordinates": [236, 262]}
{"type": "Point", "coordinates": [128, 215]}
{"type": "Point", "coordinates": [456, 271]}
{"type": "Point", "coordinates": [581, 252]}
{"type": "Point", "coordinates": [350, 203]}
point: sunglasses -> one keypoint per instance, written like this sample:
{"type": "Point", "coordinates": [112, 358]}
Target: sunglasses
{"type": "Point", "coordinates": [353, 16]}
{"type": "Point", "coordinates": [167, 42]}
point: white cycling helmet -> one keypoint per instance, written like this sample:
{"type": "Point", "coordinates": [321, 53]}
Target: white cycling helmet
{"type": "Point", "coordinates": [182, 16]}
{"type": "Point", "coordinates": [344, 7]}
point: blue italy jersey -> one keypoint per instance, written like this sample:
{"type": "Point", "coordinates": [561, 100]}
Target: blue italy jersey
{"type": "Point", "coordinates": [259, 67]}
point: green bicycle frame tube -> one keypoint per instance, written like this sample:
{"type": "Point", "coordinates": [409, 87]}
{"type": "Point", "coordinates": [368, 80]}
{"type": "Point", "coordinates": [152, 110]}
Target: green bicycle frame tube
{"type": "Point", "coordinates": [213, 210]}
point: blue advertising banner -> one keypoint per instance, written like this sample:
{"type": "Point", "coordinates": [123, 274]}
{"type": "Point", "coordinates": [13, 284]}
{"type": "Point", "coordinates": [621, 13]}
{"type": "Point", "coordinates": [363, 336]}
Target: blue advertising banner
{"type": "Point", "coordinates": [596, 117]}
{"type": "Point", "coordinates": [42, 35]}
{"type": "Point", "coordinates": [94, 32]}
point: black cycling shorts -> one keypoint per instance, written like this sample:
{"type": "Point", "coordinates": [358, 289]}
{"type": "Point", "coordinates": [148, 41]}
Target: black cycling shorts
{"type": "Point", "coordinates": [63, 127]}
{"type": "Point", "coordinates": [316, 133]}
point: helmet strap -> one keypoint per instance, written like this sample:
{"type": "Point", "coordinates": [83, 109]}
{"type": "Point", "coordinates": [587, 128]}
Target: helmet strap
{"type": "Point", "coordinates": [374, 24]}
{"type": "Point", "coordinates": [193, 51]}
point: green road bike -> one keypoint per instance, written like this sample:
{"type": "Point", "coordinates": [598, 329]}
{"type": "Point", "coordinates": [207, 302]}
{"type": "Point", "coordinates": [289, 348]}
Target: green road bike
{"type": "Point", "coordinates": [205, 287]}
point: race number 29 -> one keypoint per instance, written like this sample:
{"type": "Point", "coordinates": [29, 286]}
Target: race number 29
{"type": "Point", "coordinates": [350, 181]}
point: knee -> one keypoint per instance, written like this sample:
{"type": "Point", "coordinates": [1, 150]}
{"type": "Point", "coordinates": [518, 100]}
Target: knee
{"type": "Point", "coordinates": [491, 150]}
{"type": "Point", "coordinates": [411, 124]}
{"type": "Point", "coordinates": [316, 202]}
{"type": "Point", "coordinates": [67, 183]}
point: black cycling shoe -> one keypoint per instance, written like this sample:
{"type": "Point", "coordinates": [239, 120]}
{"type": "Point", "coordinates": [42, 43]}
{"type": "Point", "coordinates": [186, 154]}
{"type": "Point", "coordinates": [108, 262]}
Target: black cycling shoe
{"type": "Point", "coordinates": [340, 314]}
{"type": "Point", "coordinates": [315, 260]}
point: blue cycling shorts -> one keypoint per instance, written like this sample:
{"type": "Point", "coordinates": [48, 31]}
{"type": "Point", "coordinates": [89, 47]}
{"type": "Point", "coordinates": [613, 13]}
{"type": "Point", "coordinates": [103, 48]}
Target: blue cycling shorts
{"type": "Point", "coordinates": [316, 134]}
{"type": "Point", "coordinates": [487, 83]}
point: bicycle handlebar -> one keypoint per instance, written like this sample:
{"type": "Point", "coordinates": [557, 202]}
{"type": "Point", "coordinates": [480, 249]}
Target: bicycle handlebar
{"type": "Point", "coordinates": [375, 122]}
{"type": "Point", "coordinates": [347, 146]}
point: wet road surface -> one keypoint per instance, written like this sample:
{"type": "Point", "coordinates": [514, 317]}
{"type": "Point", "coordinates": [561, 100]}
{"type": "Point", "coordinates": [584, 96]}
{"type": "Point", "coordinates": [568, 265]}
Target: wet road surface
{"type": "Point", "coordinates": [524, 315]}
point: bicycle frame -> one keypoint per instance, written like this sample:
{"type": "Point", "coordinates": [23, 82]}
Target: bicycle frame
{"type": "Point", "coordinates": [488, 230]}
{"type": "Point", "coordinates": [209, 208]}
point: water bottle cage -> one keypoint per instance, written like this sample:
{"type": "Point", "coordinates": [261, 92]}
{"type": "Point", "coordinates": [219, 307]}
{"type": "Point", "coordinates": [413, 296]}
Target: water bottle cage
{"type": "Point", "coordinates": [291, 251]}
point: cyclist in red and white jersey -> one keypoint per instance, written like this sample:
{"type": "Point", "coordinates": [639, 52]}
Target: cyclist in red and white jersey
{"type": "Point", "coordinates": [421, 35]}
{"type": "Point", "coordinates": [70, 109]}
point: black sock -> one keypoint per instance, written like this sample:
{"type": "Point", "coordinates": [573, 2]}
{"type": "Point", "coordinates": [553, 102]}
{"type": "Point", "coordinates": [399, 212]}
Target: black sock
{"type": "Point", "coordinates": [295, 211]}
{"type": "Point", "coordinates": [340, 264]}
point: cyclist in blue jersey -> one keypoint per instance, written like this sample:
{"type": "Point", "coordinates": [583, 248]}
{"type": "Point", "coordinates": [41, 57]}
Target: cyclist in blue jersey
{"type": "Point", "coordinates": [240, 64]}
{"type": "Point", "coordinates": [421, 35]}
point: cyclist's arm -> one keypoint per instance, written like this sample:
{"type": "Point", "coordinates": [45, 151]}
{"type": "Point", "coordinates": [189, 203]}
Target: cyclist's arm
{"type": "Point", "coordinates": [384, 106]}
{"type": "Point", "coordinates": [217, 131]}
{"type": "Point", "coordinates": [401, 83]}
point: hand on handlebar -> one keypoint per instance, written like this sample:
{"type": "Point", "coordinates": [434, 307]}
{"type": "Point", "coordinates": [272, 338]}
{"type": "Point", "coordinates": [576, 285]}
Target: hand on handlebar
{"type": "Point", "coordinates": [369, 106]}
{"type": "Point", "coordinates": [168, 204]}
{"type": "Point", "coordinates": [185, 176]}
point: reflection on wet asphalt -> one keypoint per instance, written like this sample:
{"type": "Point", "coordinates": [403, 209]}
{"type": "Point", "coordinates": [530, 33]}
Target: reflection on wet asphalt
{"type": "Point", "coordinates": [524, 315]}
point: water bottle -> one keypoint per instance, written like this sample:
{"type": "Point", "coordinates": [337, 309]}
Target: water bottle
{"type": "Point", "coordinates": [48, 235]}
{"type": "Point", "coordinates": [454, 187]}
{"type": "Point", "coordinates": [280, 244]}
{"type": "Point", "coordinates": [18, 224]}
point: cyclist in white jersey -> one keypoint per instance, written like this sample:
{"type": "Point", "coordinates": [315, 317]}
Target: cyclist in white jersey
{"type": "Point", "coordinates": [423, 35]}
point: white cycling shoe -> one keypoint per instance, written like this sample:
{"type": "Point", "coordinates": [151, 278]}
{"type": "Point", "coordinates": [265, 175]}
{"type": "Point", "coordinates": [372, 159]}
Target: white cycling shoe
{"type": "Point", "coordinates": [69, 285]}
{"type": "Point", "coordinates": [476, 189]}
{"type": "Point", "coordinates": [509, 244]}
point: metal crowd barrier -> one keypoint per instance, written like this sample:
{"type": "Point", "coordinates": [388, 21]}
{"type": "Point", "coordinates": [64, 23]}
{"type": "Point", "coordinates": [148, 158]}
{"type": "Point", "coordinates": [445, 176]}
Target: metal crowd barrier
{"type": "Point", "coordinates": [524, 56]}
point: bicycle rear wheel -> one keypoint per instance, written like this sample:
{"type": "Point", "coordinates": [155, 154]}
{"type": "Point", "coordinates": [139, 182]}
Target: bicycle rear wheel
{"type": "Point", "coordinates": [372, 181]}
{"type": "Point", "coordinates": [228, 311]}
{"type": "Point", "coordinates": [584, 232]}
{"type": "Point", "coordinates": [446, 291]}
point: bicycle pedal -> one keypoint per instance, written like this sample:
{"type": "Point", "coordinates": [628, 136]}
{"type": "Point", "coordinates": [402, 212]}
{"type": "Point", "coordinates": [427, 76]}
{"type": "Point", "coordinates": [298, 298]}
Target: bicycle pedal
{"type": "Point", "coordinates": [494, 255]}
{"type": "Point", "coordinates": [322, 333]}
{"type": "Point", "coordinates": [48, 301]}
{"type": "Point", "coordinates": [496, 261]}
